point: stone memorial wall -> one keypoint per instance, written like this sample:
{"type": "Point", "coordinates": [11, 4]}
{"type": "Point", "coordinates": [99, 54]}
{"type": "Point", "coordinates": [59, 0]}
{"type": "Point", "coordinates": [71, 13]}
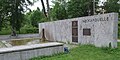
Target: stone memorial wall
{"type": "Point", "coordinates": [99, 30]}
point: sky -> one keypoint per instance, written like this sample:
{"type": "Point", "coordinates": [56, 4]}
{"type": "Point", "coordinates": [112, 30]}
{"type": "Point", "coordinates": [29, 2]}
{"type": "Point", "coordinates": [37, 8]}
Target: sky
{"type": "Point", "coordinates": [38, 4]}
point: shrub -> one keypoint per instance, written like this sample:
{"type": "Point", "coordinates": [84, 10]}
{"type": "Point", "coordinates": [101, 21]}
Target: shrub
{"type": "Point", "coordinates": [28, 29]}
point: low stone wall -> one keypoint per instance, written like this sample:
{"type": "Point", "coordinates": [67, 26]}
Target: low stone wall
{"type": "Point", "coordinates": [29, 51]}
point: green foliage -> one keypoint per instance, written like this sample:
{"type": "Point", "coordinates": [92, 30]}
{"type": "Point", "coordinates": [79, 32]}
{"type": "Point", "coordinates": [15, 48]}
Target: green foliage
{"type": "Point", "coordinates": [118, 29]}
{"type": "Point", "coordinates": [59, 11]}
{"type": "Point", "coordinates": [112, 6]}
{"type": "Point", "coordinates": [0, 23]}
{"type": "Point", "coordinates": [29, 29]}
{"type": "Point", "coordinates": [5, 31]}
{"type": "Point", "coordinates": [78, 8]}
{"type": "Point", "coordinates": [3, 12]}
{"type": "Point", "coordinates": [26, 29]}
{"type": "Point", "coordinates": [34, 17]}
{"type": "Point", "coordinates": [86, 52]}
{"type": "Point", "coordinates": [70, 9]}
{"type": "Point", "coordinates": [12, 11]}
{"type": "Point", "coordinates": [44, 19]}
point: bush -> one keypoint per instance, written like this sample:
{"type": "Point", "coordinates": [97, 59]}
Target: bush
{"type": "Point", "coordinates": [5, 32]}
{"type": "Point", "coordinates": [24, 30]}
{"type": "Point", "coordinates": [28, 29]}
{"type": "Point", "coordinates": [119, 30]}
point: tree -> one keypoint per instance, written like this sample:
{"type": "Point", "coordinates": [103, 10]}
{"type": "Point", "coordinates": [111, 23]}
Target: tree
{"type": "Point", "coordinates": [112, 6]}
{"type": "Point", "coordinates": [36, 17]}
{"type": "Point", "coordinates": [59, 10]}
{"type": "Point", "coordinates": [3, 13]}
{"type": "Point", "coordinates": [78, 8]}
{"type": "Point", "coordinates": [0, 15]}
{"type": "Point", "coordinates": [0, 23]}
{"type": "Point", "coordinates": [17, 13]}
{"type": "Point", "coordinates": [44, 10]}
{"type": "Point", "coordinates": [72, 8]}
{"type": "Point", "coordinates": [14, 12]}
{"type": "Point", "coordinates": [48, 9]}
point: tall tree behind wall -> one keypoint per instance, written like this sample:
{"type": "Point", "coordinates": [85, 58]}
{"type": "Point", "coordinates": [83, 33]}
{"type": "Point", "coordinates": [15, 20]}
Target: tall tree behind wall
{"type": "Point", "coordinates": [59, 10]}
{"type": "Point", "coordinates": [112, 6]}
{"type": "Point", "coordinates": [36, 17]}
{"type": "Point", "coordinates": [78, 8]}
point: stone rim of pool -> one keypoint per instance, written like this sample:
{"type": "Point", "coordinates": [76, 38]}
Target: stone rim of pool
{"type": "Point", "coordinates": [29, 47]}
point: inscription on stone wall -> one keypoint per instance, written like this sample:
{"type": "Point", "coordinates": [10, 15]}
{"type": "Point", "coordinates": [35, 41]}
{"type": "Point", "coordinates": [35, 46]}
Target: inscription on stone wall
{"type": "Point", "coordinates": [96, 20]}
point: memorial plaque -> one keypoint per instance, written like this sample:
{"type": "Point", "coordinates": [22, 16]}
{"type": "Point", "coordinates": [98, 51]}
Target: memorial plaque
{"type": "Point", "coordinates": [74, 23]}
{"type": "Point", "coordinates": [74, 31]}
{"type": "Point", "coordinates": [86, 31]}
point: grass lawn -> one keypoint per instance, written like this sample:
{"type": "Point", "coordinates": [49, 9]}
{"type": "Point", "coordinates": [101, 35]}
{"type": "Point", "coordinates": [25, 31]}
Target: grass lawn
{"type": "Point", "coordinates": [86, 52]}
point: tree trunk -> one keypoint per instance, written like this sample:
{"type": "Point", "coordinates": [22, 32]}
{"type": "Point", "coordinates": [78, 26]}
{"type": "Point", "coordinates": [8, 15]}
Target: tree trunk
{"type": "Point", "coordinates": [13, 33]}
{"type": "Point", "coordinates": [0, 23]}
{"type": "Point", "coordinates": [48, 9]}
{"type": "Point", "coordinates": [43, 8]}
{"type": "Point", "coordinates": [13, 20]}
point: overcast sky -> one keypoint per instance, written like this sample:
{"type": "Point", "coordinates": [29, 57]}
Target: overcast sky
{"type": "Point", "coordinates": [38, 4]}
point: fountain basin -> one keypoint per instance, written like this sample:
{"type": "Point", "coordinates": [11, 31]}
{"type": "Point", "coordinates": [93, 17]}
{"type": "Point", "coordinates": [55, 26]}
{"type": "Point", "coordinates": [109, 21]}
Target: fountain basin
{"type": "Point", "coordinates": [25, 52]}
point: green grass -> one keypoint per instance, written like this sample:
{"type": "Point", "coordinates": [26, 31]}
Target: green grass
{"type": "Point", "coordinates": [86, 52]}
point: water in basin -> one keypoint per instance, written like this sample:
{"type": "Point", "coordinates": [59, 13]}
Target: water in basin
{"type": "Point", "coordinates": [18, 42]}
